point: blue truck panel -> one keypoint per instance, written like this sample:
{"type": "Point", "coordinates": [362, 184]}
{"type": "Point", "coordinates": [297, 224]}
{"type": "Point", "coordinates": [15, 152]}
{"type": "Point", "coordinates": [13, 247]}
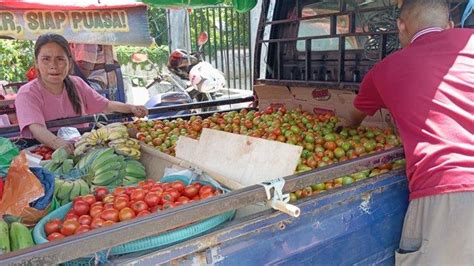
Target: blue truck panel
{"type": "Point", "coordinates": [360, 225]}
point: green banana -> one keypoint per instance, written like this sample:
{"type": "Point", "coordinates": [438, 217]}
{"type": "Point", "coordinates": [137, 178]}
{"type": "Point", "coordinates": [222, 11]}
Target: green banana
{"type": "Point", "coordinates": [103, 164]}
{"type": "Point", "coordinates": [75, 191]}
{"type": "Point", "coordinates": [67, 166]}
{"type": "Point", "coordinates": [107, 168]}
{"type": "Point", "coordinates": [84, 187]}
{"type": "Point", "coordinates": [20, 236]}
{"type": "Point", "coordinates": [135, 169]}
{"type": "Point", "coordinates": [4, 238]}
{"type": "Point", "coordinates": [65, 190]}
{"type": "Point", "coordinates": [104, 179]}
{"type": "Point", "coordinates": [57, 184]}
{"type": "Point", "coordinates": [130, 180]}
{"type": "Point", "coordinates": [105, 155]}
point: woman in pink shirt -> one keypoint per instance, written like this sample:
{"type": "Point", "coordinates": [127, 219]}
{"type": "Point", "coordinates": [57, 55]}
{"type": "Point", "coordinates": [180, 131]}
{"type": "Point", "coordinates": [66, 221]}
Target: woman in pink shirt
{"type": "Point", "coordinates": [55, 94]}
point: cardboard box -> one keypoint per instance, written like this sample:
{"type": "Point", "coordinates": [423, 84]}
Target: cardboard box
{"type": "Point", "coordinates": [316, 101]}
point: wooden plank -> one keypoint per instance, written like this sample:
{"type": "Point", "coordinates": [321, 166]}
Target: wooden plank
{"type": "Point", "coordinates": [241, 160]}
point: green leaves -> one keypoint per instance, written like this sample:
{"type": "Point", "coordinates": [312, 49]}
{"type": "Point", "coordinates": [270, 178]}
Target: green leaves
{"type": "Point", "coordinates": [16, 57]}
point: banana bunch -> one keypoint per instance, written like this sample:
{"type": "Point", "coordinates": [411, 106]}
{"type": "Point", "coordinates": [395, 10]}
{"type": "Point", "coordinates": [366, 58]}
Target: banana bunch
{"type": "Point", "coordinates": [66, 190]}
{"type": "Point", "coordinates": [103, 167]}
{"type": "Point", "coordinates": [114, 135]}
{"type": "Point", "coordinates": [134, 172]}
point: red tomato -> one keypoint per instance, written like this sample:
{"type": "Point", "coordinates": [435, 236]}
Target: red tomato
{"type": "Point", "coordinates": [141, 183]}
{"type": "Point", "coordinates": [95, 211]}
{"type": "Point", "coordinates": [71, 216]}
{"type": "Point", "coordinates": [167, 196]}
{"type": "Point", "coordinates": [155, 208]}
{"type": "Point", "coordinates": [108, 223]}
{"type": "Point", "coordinates": [80, 208]}
{"type": "Point", "coordinates": [173, 192]}
{"type": "Point", "coordinates": [157, 188]}
{"type": "Point", "coordinates": [53, 226]}
{"type": "Point", "coordinates": [119, 191]}
{"type": "Point", "coordinates": [137, 194]}
{"type": "Point", "coordinates": [197, 185]}
{"type": "Point", "coordinates": [109, 205]}
{"type": "Point", "coordinates": [168, 205]}
{"type": "Point", "coordinates": [69, 227]}
{"type": "Point", "coordinates": [138, 206]}
{"type": "Point", "coordinates": [89, 199]}
{"type": "Point", "coordinates": [123, 196]}
{"type": "Point", "coordinates": [178, 185]}
{"type": "Point", "coordinates": [97, 203]}
{"type": "Point", "coordinates": [82, 229]}
{"type": "Point", "coordinates": [126, 214]}
{"type": "Point", "coordinates": [110, 215]}
{"type": "Point", "coordinates": [143, 213]}
{"type": "Point", "coordinates": [47, 156]}
{"type": "Point", "coordinates": [97, 223]}
{"type": "Point", "coordinates": [55, 236]}
{"type": "Point", "coordinates": [120, 203]}
{"type": "Point", "coordinates": [206, 188]}
{"type": "Point", "coordinates": [190, 191]}
{"type": "Point", "coordinates": [207, 194]}
{"type": "Point", "coordinates": [100, 193]}
{"type": "Point", "coordinates": [196, 198]}
{"type": "Point", "coordinates": [166, 186]}
{"type": "Point", "coordinates": [152, 199]}
{"type": "Point", "coordinates": [129, 190]}
{"type": "Point", "coordinates": [85, 220]}
{"type": "Point", "coordinates": [150, 181]}
{"type": "Point", "coordinates": [108, 199]}
{"type": "Point", "coordinates": [183, 199]}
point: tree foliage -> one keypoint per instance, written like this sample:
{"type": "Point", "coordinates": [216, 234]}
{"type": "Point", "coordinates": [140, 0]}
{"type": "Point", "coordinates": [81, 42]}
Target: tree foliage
{"type": "Point", "coordinates": [16, 57]}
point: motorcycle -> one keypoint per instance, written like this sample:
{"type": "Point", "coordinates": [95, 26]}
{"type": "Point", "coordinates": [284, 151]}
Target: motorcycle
{"type": "Point", "coordinates": [190, 79]}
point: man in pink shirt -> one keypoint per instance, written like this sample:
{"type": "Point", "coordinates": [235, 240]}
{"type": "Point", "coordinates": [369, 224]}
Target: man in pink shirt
{"type": "Point", "coordinates": [56, 94]}
{"type": "Point", "coordinates": [428, 87]}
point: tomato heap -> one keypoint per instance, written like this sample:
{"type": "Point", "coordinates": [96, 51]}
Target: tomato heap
{"type": "Point", "coordinates": [322, 145]}
{"type": "Point", "coordinates": [43, 151]}
{"type": "Point", "coordinates": [103, 208]}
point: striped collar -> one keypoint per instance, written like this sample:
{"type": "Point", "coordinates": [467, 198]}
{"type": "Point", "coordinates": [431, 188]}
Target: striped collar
{"type": "Point", "coordinates": [425, 31]}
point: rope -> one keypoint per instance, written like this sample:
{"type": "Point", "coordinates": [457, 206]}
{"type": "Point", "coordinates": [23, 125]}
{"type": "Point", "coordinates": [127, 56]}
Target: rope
{"type": "Point", "coordinates": [467, 12]}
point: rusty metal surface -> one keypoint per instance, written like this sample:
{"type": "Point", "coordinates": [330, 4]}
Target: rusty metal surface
{"type": "Point", "coordinates": [104, 238]}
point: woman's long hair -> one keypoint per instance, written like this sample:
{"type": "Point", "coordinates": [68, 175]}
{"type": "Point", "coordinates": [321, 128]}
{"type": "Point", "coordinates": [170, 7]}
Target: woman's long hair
{"type": "Point", "coordinates": [63, 43]}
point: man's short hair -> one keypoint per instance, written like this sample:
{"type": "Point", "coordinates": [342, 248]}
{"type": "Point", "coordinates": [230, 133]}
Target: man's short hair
{"type": "Point", "coordinates": [426, 12]}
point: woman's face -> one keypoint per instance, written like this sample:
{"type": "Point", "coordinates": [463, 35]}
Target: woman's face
{"type": "Point", "coordinates": [53, 65]}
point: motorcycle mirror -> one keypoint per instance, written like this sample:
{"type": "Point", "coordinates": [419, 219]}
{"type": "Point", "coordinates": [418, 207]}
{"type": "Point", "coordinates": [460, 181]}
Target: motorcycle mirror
{"type": "Point", "coordinates": [139, 58]}
{"type": "Point", "coordinates": [203, 38]}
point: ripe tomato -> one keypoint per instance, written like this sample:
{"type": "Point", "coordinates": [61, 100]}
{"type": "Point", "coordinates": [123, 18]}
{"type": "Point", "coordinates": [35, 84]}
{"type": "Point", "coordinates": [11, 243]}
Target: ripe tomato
{"type": "Point", "coordinates": [173, 193]}
{"type": "Point", "coordinates": [69, 227]}
{"type": "Point", "coordinates": [207, 194]}
{"type": "Point", "coordinates": [108, 199]}
{"type": "Point", "coordinates": [206, 188]}
{"type": "Point", "coordinates": [95, 211]}
{"type": "Point", "coordinates": [143, 213]}
{"type": "Point", "coordinates": [197, 185]}
{"type": "Point", "coordinates": [80, 208]}
{"type": "Point", "coordinates": [155, 208]}
{"type": "Point", "coordinates": [119, 191]}
{"type": "Point", "coordinates": [82, 229]}
{"type": "Point", "coordinates": [168, 205]}
{"type": "Point", "coordinates": [120, 203]}
{"type": "Point", "coordinates": [71, 216]}
{"type": "Point", "coordinates": [108, 223]}
{"type": "Point", "coordinates": [109, 205]}
{"type": "Point", "coordinates": [137, 194]}
{"type": "Point", "coordinates": [123, 196]}
{"type": "Point", "coordinates": [100, 193]}
{"type": "Point", "coordinates": [110, 215]}
{"type": "Point", "coordinates": [196, 198]}
{"type": "Point", "coordinates": [97, 203]}
{"type": "Point", "coordinates": [89, 199]}
{"type": "Point", "coordinates": [167, 196]}
{"type": "Point", "coordinates": [85, 220]}
{"type": "Point", "coordinates": [190, 191]}
{"type": "Point", "coordinates": [178, 185]}
{"type": "Point", "coordinates": [53, 226]}
{"type": "Point", "coordinates": [138, 206]}
{"type": "Point", "coordinates": [152, 199]}
{"type": "Point", "coordinates": [55, 236]}
{"type": "Point", "coordinates": [157, 188]}
{"type": "Point", "coordinates": [129, 190]}
{"type": "Point", "coordinates": [126, 214]}
{"type": "Point", "coordinates": [97, 223]}
{"type": "Point", "coordinates": [183, 200]}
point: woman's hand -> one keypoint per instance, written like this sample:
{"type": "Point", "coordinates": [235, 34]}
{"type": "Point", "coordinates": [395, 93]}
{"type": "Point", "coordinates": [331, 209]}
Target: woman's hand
{"type": "Point", "coordinates": [68, 146]}
{"type": "Point", "coordinates": [139, 110]}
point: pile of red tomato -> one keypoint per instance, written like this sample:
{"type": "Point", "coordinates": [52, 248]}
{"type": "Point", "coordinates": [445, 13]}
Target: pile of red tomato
{"type": "Point", "coordinates": [104, 208]}
{"type": "Point", "coordinates": [43, 151]}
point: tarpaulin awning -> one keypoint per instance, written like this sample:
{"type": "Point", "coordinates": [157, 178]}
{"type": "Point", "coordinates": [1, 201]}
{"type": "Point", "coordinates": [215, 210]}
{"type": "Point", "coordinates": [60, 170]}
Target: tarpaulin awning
{"type": "Point", "coordinates": [109, 22]}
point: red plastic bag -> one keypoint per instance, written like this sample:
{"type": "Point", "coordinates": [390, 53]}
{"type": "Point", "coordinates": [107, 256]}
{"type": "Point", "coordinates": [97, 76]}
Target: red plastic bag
{"type": "Point", "coordinates": [21, 187]}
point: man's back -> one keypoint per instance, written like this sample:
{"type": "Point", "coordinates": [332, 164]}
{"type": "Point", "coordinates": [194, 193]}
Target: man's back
{"type": "Point", "coordinates": [429, 89]}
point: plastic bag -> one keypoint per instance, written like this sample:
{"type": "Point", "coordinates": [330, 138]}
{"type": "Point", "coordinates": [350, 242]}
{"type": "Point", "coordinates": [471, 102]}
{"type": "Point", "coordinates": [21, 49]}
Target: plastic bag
{"type": "Point", "coordinates": [69, 133]}
{"type": "Point", "coordinates": [21, 188]}
{"type": "Point", "coordinates": [47, 181]}
{"type": "Point", "coordinates": [8, 151]}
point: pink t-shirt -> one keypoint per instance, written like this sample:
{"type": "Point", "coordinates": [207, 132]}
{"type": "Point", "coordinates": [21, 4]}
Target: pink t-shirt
{"type": "Point", "coordinates": [428, 88]}
{"type": "Point", "coordinates": [36, 105]}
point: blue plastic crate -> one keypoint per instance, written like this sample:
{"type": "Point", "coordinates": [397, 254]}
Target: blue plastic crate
{"type": "Point", "coordinates": [152, 242]}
